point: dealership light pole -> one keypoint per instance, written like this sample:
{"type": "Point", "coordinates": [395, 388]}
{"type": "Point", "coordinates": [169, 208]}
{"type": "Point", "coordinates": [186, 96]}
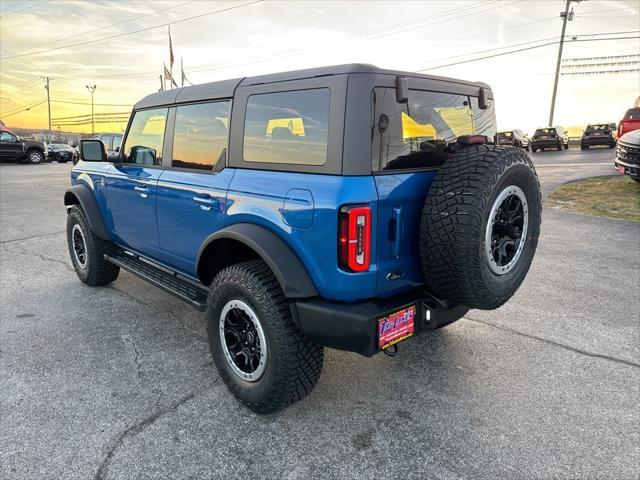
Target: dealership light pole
{"type": "Point", "coordinates": [566, 16]}
{"type": "Point", "coordinates": [92, 89]}
{"type": "Point", "coordinates": [48, 79]}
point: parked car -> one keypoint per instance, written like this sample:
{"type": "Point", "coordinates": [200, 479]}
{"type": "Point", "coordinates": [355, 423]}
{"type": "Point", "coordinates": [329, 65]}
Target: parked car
{"type": "Point", "coordinates": [627, 159]}
{"type": "Point", "coordinates": [61, 152]}
{"type": "Point", "coordinates": [630, 121]}
{"type": "Point", "coordinates": [112, 141]}
{"type": "Point", "coordinates": [14, 149]}
{"type": "Point", "coordinates": [301, 214]}
{"type": "Point", "coordinates": [516, 137]}
{"type": "Point", "coordinates": [597, 134]}
{"type": "Point", "coordinates": [549, 137]}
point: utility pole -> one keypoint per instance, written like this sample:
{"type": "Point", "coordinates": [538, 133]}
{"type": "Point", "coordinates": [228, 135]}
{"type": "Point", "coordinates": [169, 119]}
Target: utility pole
{"type": "Point", "coordinates": [566, 16]}
{"type": "Point", "coordinates": [48, 79]}
{"type": "Point", "coordinates": [92, 89]}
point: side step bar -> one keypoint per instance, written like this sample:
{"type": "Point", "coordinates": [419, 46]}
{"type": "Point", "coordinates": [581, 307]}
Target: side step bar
{"type": "Point", "coordinates": [194, 295]}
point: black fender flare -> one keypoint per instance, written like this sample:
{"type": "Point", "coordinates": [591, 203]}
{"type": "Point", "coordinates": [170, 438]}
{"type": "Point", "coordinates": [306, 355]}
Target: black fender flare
{"type": "Point", "coordinates": [284, 263]}
{"type": "Point", "coordinates": [81, 194]}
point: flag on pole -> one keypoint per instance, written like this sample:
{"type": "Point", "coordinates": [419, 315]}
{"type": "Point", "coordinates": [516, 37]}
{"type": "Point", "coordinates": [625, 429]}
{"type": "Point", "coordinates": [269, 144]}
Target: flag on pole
{"type": "Point", "coordinates": [170, 51]}
{"type": "Point", "coordinates": [168, 76]}
{"type": "Point", "coordinates": [184, 77]}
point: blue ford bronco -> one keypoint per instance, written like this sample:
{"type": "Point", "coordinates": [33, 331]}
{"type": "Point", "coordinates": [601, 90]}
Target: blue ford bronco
{"type": "Point", "coordinates": [347, 207]}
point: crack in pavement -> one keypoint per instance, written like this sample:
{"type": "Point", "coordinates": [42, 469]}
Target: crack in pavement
{"type": "Point", "coordinates": [31, 237]}
{"type": "Point", "coordinates": [557, 344]}
{"type": "Point", "coordinates": [134, 430]}
{"type": "Point", "coordinates": [129, 340]}
{"type": "Point", "coordinates": [40, 256]}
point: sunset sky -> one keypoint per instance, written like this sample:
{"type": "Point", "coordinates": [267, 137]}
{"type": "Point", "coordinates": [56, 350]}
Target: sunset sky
{"type": "Point", "coordinates": [120, 47]}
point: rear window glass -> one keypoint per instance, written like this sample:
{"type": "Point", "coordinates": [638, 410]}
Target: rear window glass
{"type": "Point", "coordinates": [632, 114]}
{"type": "Point", "coordinates": [287, 127]}
{"type": "Point", "coordinates": [598, 128]}
{"type": "Point", "coordinates": [414, 134]}
{"type": "Point", "coordinates": [505, 134]}
{"type": "Point", "coordinates": [200, 135]}
{"type": "Point", "coordinates": [545, 131]}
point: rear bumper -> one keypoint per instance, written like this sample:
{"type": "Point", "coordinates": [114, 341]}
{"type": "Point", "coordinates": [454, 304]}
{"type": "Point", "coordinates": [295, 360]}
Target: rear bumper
{"type": "Point", "coordinates": [354, 326]}
{"type": "Point", "coordinates": [594, 141]}
{"type": "Point", "coordinates": [545, 143]}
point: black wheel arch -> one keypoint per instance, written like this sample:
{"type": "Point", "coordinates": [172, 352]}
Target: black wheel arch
{"type": "Point", "coordinates": [82, 195]}
{"type": "Point", "coordinates": [246, 241]}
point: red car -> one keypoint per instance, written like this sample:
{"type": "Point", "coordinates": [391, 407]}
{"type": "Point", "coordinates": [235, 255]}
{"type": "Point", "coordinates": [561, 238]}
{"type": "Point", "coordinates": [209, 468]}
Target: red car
{"type": "Point", "coordinates": [630, 122]}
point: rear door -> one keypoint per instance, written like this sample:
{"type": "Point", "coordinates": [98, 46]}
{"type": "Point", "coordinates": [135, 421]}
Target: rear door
{"type": "Point", "coordinates": [408, 147]}
{"type": "Point", "coordinates": [192, 191]}
{"type": "Point", "coordinates": [132, 182]}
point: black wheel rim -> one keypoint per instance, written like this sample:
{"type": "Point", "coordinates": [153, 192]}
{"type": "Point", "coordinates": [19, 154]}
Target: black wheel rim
{"type": "Point", "coordinates": [79, 246]}
{"type": "Point", "coordinates": [506, 230]}
{"type": "Point", "coordinates": [243, 340]}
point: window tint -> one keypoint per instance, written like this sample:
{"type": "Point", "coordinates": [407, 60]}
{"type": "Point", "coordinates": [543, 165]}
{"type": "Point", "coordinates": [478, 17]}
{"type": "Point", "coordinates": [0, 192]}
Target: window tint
{"type": "Point", "coordinates": [545, 131]}
{"type": "Point", "coordinates": [414, 134]}
{"type": "Point", "coordinates": [146, 134]}
{"type": "Point", "coordinates": [287, 127]}
{"type": "Point", "coordinates": [200, 135]}
{"type": "Point", "coordinates": [7, 137]}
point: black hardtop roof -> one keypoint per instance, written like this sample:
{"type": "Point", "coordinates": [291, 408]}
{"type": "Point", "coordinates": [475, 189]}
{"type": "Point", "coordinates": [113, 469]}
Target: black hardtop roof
{"type": "Point", "coordinates": [226, 88]}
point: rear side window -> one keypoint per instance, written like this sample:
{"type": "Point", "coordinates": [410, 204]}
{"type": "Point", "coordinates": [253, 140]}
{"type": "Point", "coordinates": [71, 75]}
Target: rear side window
{"type": "Point", "coordinates": [200, 135]}
{"type": "Point", "coordinates": [287, 127]}
{"type": "Point", "coordinates": [146, 136]}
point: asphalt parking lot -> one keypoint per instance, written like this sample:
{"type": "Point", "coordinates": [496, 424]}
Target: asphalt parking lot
{"type": "Point", "coordinates": [117, 382]}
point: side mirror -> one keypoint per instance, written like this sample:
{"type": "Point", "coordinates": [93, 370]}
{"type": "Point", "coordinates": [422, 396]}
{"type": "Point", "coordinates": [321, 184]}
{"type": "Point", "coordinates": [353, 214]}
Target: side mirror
{"type": "Point", "coordinates": [482, 99]}
{"type": "Point", "coordinates": [93, 151]}
{"type": "Point", "coordinates": [402, 90]}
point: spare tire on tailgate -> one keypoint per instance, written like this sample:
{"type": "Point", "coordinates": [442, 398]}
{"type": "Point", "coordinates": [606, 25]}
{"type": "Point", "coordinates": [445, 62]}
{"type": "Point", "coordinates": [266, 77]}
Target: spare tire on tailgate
{"type": "Point", "coordinates": [480, 225]}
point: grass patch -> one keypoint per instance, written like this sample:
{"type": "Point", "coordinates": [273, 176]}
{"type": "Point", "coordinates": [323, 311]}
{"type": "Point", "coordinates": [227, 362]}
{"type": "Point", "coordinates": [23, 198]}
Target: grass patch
{"type": "Point", "coordinates": [611, 197]}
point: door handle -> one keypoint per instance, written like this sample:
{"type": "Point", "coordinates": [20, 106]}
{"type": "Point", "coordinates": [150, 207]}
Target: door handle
{"type": "Point", "coordinates": [206, 202]}
{"type": "Point", "coordinates": [144, 192]}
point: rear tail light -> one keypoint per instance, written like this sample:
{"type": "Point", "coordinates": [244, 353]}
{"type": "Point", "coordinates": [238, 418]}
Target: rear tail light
{"type": "Point", "coordinates": [354, 238]}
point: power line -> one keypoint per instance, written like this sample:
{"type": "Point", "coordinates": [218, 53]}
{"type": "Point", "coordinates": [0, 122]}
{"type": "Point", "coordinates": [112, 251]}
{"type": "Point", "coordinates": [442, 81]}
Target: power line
{"type": "Point", "coordinates": [25, 109]}
{"type": "Point", "coordinates": [132, 32]}
{"type": "Point", "coordinates": [105, 27]}
{"type": "Point", "coordinates": [99, 104]}
{"type": "Point", "coordinates": [21, 10]}
{"type": "Point", "coordinates": [523, 50]}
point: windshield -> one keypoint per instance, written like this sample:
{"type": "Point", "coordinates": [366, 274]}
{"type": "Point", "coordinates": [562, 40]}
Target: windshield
{"type": "Point", "coordinates": [414, 134]}
{"type": "Point", "coordinates": [632, 114]}
{"type": "Point", "coordinates": [545, 131]}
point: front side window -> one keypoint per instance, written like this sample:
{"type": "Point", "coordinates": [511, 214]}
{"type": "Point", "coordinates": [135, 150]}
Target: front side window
{"type": "Point", "coordinates": [415, 134]}
{"type": "Point", "coordinates": [7, 137]}
{"type": "Point", "coordinates": [200, 136]}
{"type": "Point", "coordinates": [288, 127]}
{"type": "Point", "coordinates": [146, 136]}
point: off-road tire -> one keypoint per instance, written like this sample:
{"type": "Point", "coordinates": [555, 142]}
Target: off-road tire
{"type": "Point", "coordinates": [97, 271]}
{"type": "Point", "coordinates": [294, 362]}
{"type": "Point", "coordinates": [454, 222]}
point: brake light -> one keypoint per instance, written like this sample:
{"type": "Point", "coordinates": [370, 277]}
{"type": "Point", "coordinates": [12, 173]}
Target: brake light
{"type": "Point", "coordinates": [354, 238]}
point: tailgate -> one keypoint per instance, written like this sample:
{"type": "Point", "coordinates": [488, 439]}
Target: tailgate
{"type": "Point", "coordinates": [400, 201]}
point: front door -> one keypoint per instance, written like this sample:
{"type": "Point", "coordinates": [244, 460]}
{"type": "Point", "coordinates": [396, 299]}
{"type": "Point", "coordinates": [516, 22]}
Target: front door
{"type": "Point", "coordinates": [132, 183]}
{"type": "Point", "coordinates": [192, 192]}
{"type": "Point", "coordinates": [10, 146]}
